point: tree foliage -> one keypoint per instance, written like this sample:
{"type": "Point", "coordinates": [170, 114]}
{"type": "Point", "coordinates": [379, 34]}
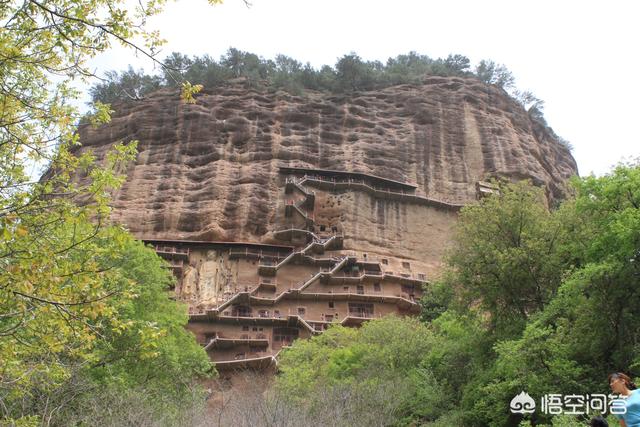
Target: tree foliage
{"type": "Point", "coordinates": [134, 340]}
{"type": "Point", "coordinates": [350, 73]}
{"type": "Point", "coordinates": [495, 74]}
{"type": "Point", "coordinates": [535, 299]}
{"type": "Point", "coordinates": [70, 310]}
{"type": "Point", "coordinates": [591, 327]}
{"type": "Point", "coordinates": [507, 256]}
{"type": "Point", "coordinates": [376, 372]}
{"type": "Point", "coordinates": [130, 84]}
{"type": "Point", "coordinates": [583, 325]}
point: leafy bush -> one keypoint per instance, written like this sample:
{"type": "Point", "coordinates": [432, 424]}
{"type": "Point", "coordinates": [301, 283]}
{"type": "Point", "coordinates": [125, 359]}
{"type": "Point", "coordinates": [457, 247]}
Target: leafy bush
{"type": "Point", "coordinates": [532, 299]}
{"type": "Point", "coordinates": [372, 376]}
{"type": "Point", "coordinates": [350, 73]}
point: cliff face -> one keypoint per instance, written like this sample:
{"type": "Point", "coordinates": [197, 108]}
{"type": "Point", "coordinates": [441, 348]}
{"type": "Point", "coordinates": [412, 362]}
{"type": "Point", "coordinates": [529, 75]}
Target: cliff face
{"type": "Point", "coordinates": [281, 215]}
{"type": "Point", "coordinates": [210, 171]}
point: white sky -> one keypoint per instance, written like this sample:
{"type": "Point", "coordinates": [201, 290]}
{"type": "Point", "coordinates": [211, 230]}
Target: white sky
{"type": "Point", "coordinates": [581, 58]}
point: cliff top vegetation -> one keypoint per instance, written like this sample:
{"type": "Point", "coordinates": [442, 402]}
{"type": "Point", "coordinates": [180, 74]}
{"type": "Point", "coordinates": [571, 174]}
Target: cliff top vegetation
{"type": "Point", "coordinates": [349, 74]}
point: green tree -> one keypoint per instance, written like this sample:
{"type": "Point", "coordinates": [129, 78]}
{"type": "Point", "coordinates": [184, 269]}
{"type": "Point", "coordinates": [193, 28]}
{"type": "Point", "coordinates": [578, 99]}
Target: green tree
{"type": "Point", "coordinates": [327, 78]}
{"type": "Point", "coordinates": [587, 325]}
{"type": "Point", "coordinates": [495, 74]}
{"type": "Point", "coordinates": [176, 64]}
{"type": "Point", "coordinates": [53, 281]}
{"type": "Point", "coordinates": [153, 346]}
{"type": "Point", "coordinates": [130, 84]}
{"type": "Point", "coordinates": [247, 64]}
{"type": "Point", "coordinates": [288, 73]}
{"type": "Point", "coordinates": [458, 64]}
{"type": "Point", "coordinates": [354, 74]}
{"type": "Point", "coordinates": [504, 268]}
{"type": "Point", "coordinates": [206, 71]}
{"type": "Point", "coordinates": [138, 344]}
{"type": "Point", "coordinates": [591, 327]}
{"type": "Point", "coordinates": [407, 68]}
{"type": "Point", "coordinates": [506, 257]}
{"type": "Point", "coordinates": [376, 372]}
{"type": "Point", "coordinates": [59, 289]}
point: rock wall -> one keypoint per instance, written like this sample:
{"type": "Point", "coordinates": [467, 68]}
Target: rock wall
{"type": "Point", "coordinates": [210, 171]}
{"type": "Point", "coordinates": [282, 215]}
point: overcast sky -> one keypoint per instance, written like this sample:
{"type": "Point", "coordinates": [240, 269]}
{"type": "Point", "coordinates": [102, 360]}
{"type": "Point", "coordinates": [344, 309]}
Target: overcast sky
{"type": "Point", "coordinates": [581, 58]}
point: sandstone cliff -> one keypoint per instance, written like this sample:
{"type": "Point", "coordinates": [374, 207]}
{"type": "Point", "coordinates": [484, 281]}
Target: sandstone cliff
{"type": "Point", "coordinates": [210, 171]}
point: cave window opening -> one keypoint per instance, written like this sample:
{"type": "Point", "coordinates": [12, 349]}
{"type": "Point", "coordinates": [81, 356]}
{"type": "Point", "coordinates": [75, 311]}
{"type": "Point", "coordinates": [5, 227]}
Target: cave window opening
{"type": "Point", "coordinates": [284, 336]}
{"type": "Point", "coordinates": [408, 289]}
{"type": "Point", "coordinates": [361, 310]}
{"type": "Point", "coordinates": [242, 311]}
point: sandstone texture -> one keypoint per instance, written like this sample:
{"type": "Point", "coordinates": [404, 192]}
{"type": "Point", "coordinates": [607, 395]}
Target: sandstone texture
{"type": "Point", "coordinates": [209, 171]}
{"type": "Point", "coordinates": [282, 215]}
